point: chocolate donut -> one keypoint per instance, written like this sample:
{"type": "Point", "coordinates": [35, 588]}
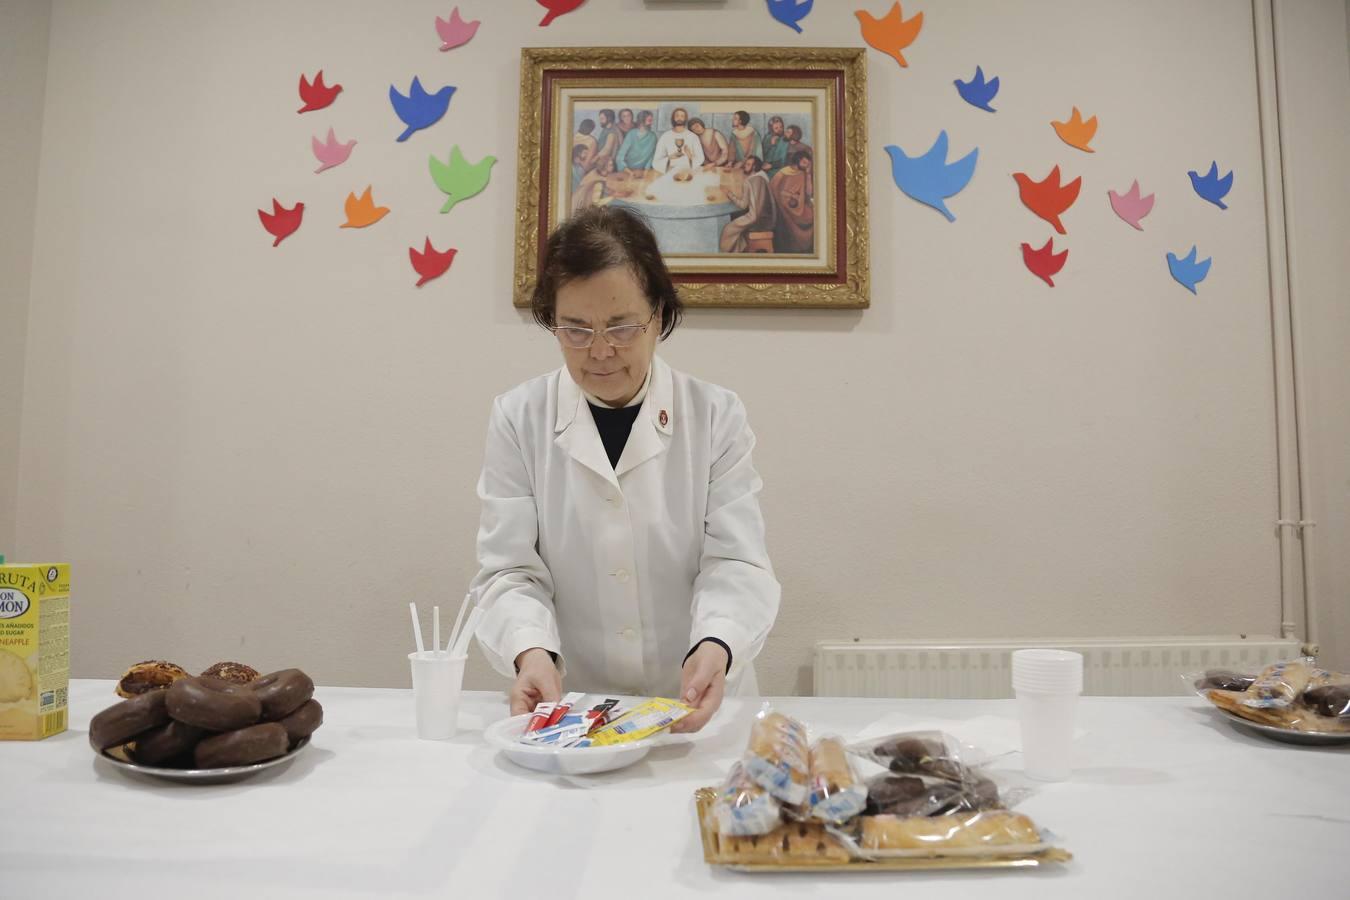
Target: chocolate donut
{"type": "Point", "coordinates": [303, 722]}
{"type": "Point", "coordinates": [1223, 680]}
{"type": "Point", "coordinates": [150, 675]}
{"type": "Point", "coordinates": [121, 722]}
{"type": "Point", "coordinates": [242, 747]}
{"type": "Point", "coordinates": [235, 672]}
{"type": "Point", "coordinates": [213, 704]}
{"type": "Point", "coordinates": [164, 744]}
{"type": "Point", "coordinates": [282, 693]}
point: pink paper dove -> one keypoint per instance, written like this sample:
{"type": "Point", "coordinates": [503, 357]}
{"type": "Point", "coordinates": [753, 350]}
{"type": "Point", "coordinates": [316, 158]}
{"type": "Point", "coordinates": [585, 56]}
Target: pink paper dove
{"type": "Point", "coordinates": [456, 32]}
{"type": "Point", "coordinates": [331, 153]}
{"type": "Point", "coordinates": [1130, 206]}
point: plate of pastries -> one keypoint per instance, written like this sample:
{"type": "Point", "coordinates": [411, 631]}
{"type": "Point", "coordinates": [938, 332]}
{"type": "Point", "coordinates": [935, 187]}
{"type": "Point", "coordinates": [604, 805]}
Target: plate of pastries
{"type": "Point", "coordinates": [222, 725]}
{"type": "Point", "coordinates": [1295, 702]}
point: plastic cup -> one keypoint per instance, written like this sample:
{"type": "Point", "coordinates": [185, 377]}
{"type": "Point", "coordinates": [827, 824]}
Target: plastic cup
{"type": "Point", "coordinates": [1047, 684]}
{"type": "Point", "coordinates": [436, 678]}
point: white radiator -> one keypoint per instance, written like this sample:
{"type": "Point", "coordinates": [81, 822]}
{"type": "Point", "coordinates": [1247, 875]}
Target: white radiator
{"type": "Point", "coordinates": [979, 669]}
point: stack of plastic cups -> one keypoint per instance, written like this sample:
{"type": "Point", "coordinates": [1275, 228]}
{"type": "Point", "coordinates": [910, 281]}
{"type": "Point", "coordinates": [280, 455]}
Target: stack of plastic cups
{"type": "Point", "coordinates": [1047, 684]}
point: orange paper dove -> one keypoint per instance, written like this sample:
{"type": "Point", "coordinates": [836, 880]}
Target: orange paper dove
{"type": "Point", "coordinates": [1075, 132]}
{"type": "Point", "coordinates": [890, 34]}
{"type": "Point", "coordinates": [362, 211]}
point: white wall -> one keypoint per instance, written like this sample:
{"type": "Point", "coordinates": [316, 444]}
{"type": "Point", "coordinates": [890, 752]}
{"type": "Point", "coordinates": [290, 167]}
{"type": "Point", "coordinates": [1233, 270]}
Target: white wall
{"type": "Point", "coordinates": [23, 77]}
{"type": "Point", "coordinates": [1315, 106]}
{"type": "Point", "coordinates": [263, 453]}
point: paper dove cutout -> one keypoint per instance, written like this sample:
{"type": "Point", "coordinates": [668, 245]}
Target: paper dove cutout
{"type": "Point", "coordinates": [929, 178]}
{"type": "Point", "coordinates": [455, 32]}
{"type": "Point", "coordinates": [430, 263]}
{"type": "Point", "coordinates": [890, 34]}
{"type": "Point", "coordinates": [281, 222]}
{"type": "Point", "coordinates": [1044, 262]}
{"type": "Point", "coordinates": [790, 12]}
{"type": "Point", "coordinates": [1075, 132]}
{"type": "Point", "coordinates": [1046, 198]}
{"type": "Point", "coordinates": [419, 109]}
{"type": "Point", "coordinates": [557, 8]}
{"type": "Point", "coordinates": [317, 95]}
{"type": "Point", "coordinates": [978, 92]}
{"type": "Point", "coordinates": [1211, 187]}
{"type": "Point", "coordinates": [1187, 271]}
{"type": "Point", "coordinates": [331, 153]}
{"type": "Point", "coordinates": [362, 211]}
{"type": "Point", "coordinates": [459, 179]}
{"type": "Point", "coordinates": [1130, 206]}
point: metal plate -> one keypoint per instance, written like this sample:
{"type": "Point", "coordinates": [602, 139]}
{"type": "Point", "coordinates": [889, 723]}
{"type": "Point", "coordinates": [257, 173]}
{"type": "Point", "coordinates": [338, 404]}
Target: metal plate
{"type": "Point", "coordinates": [703, 802]}
{"type": "Point", "coordinates": [226, 775]}
{"type": "Point", "coordinates": [1288, 735]}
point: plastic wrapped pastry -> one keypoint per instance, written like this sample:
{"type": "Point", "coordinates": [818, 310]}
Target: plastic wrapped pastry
{"type": "Point", "coordinates": [778, 758]}
{"type": "Point", "coordinates": [996, 831]}
{"type": "Point", "coordinates": [743, 807]}
{"type": "Point", "coordinates": [837, 794]}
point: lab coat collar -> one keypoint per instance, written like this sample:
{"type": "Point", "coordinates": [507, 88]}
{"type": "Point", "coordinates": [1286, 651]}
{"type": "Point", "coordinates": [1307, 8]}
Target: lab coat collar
{"type": "Point", "coordinates": [576, 431]}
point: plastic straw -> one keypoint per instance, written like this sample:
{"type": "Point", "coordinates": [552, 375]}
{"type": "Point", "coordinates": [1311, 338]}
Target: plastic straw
{"type": "Point", "coordinates": [417, 628]}
{"type": "Point", "coordinates": [436, 630]}
{"type": "Point", "coordinates": [461, 646]}
{"type": "Point", "coordinates": [463, 608]}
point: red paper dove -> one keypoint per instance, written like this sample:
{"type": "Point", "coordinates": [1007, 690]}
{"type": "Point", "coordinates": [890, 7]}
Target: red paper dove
{"type": "Point", "coordinates": [430, 263]}
{"type": "Point", "coordinates": [1044, 262]}
{"type": "Point", "coordinates": [317, 95]}
{"type": "Point", "coordinates": [1046, 198]}
{"type": "Point", "coordinates": [557, 8]}
{"type": "Point", "coordinates": [281, 222]}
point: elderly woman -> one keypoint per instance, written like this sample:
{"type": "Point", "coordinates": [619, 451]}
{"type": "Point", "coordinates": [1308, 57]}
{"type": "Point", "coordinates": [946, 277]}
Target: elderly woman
{"type": "Point", "coordinates": [621, 545]}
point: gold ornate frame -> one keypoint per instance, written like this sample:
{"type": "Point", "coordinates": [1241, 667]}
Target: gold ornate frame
{"type": "Point", "coordinates": [844, 286]}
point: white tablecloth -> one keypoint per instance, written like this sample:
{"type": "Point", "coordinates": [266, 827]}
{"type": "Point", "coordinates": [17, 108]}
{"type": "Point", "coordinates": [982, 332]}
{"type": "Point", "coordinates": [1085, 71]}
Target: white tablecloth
{"type": "Point", "coordinates": [1166, 801]}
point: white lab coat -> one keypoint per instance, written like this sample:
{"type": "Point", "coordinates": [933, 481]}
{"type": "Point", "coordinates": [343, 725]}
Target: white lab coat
{"type": "Point", "coordinates": [621, 569]}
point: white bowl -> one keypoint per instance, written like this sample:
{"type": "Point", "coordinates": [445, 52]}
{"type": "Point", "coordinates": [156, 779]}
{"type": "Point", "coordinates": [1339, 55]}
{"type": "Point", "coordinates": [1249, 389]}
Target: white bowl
{"type": "Point", "coordinates": [505, 734]}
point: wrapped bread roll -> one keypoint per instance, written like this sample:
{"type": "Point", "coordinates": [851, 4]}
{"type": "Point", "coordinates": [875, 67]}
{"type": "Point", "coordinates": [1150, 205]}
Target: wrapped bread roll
{"type": "Point", "coordinates": [988, 831]}
{"type": "Point", "coordinates": [778, 758]}
{"type": "Point", "coordinates": [1278, 686]}
{"type": "Point", "coordinates": [836, 793]}
{"type": "Point", "coordinates": [743, 807]}
{"type": "Point", "coordinates": [793, 844]}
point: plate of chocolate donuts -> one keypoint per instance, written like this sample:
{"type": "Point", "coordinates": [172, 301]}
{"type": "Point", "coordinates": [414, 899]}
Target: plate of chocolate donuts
{"type": "Point", "coordinates": [221, 726]}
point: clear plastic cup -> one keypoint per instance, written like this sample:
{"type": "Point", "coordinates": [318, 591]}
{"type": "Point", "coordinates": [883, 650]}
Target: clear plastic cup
{"type": "Point", "coordinates": [436, 678]}
{"type": "Point", "coordinates": [1047, 684]}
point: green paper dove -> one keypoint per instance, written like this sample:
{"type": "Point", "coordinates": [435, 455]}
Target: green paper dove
{"type": "Point", "coordinates": [460, 180]}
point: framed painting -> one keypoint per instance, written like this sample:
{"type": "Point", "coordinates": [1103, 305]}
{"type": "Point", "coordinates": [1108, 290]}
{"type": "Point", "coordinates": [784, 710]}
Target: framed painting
{"type": "Point", "coordinates": [748, 163]}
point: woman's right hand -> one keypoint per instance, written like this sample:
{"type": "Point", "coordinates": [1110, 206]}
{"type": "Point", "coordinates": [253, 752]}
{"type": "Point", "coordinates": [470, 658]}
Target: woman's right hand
{"type": "Point", "coordinates": [537, 681]}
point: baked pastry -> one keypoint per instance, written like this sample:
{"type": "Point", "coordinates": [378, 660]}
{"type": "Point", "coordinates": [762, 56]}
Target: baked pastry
{"type": "Point", "coordinates": [911, 754]}
{"type": "Point", "coordinates": [982, 830]}
{"type": "Point", "coordinates": [242, 747]}
{"type": "Point", "coordinates": [150, 675]}
{"type": "Point", "coordinates": [797, 843]}
{"type": "Point", "coordinates": [303, 722]}
{"type": "Point", "coordinates": [1329, 700]}
{"type": "Point", "coordinates": [166, 744]}
{"type": "Point", "coordinates": [778, 758]}
{"type": "Point", "coordinates": [743, 807]}
{"type": "Point", "coordinates": [836, 793]}
{"type": "Point", "coordinates": [282, 693]}
{"type": "Point", "coordinates": [234, 672]}
{"type": "Point", "coordinates": [126, 719]}
{"type": "Point", "coordinates": [1278, 686]}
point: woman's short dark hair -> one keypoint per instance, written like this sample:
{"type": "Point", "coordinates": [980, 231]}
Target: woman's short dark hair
{"type": "Point", "coordinates": [597, 239]}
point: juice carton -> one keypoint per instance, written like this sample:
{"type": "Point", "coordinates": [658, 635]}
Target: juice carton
{"type": "Point", "coordinates": [34, 650]}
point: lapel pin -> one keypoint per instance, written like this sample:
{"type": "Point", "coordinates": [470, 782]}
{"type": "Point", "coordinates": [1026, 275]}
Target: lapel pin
{"type": "Point", "coordinates": [665, 419]}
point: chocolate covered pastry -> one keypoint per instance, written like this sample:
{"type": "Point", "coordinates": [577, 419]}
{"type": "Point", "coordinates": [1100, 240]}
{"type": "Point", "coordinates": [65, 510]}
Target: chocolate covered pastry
{"type": "Point", "coordinates": [1224, 680]}
{"type": "Point", "coordinates": [123, 721]}
{"type": "Point", "coordinates": [166, 744]}
{"type": "Point", "coordinates": [911, 795]}
{"type": "Point", "coordinates": [242, 747]}
{"type": "Point", "coordinates": [213, 704]}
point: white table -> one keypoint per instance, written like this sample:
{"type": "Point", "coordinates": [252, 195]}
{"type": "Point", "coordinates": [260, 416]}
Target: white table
{"type": "Point", "coordinates": [1166, 801]}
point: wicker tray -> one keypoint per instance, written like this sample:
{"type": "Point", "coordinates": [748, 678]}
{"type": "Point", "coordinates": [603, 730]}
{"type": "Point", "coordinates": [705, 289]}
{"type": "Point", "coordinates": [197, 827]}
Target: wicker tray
{"type": "Point", "coordinates": [714, 854]}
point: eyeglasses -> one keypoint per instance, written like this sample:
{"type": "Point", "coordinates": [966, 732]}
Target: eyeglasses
{"type": "Point", "coordinates": [617, 336]}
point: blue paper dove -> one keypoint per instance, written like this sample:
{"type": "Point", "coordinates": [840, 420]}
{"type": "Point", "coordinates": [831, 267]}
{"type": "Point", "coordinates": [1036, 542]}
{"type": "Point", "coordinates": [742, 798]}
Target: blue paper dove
{"type": "Point", "coordinates": [928, 178]}
{"type": "Point", "coordinates": [1187, 271]}
{"type": "Point", "coordinates": [790, 12]}
{"type": "Point", "coordinates": [419, 109]}
{"type": "Point", "coordinates": [978, 92]}
{"type": "Point", "coordinates": [1211, 187]}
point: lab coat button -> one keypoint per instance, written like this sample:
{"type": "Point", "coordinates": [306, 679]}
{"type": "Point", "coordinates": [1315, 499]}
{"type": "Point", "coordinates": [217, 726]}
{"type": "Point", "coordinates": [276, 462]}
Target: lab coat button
{"type": "Point", "coordinates": [629, 634]}
{"type": "Point", "coordinates": [622, 575]}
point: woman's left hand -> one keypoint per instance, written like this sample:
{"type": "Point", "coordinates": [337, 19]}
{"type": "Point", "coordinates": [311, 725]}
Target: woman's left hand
{"type": "Point", "coordinates": [703, 682]}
